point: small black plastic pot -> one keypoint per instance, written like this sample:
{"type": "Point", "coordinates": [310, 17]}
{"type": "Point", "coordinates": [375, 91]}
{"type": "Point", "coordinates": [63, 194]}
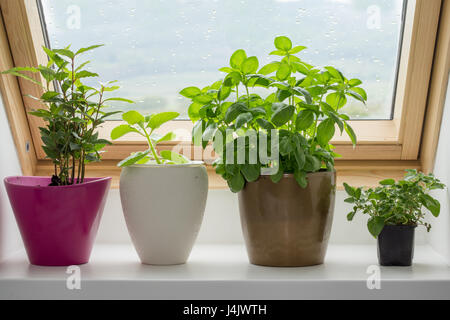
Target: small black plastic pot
{"type": "Point", "coordinates": [396, 246]}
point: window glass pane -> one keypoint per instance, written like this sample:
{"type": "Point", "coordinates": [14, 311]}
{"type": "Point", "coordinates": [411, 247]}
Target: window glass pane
{"type": "Point", "coordinates": [157, 47]}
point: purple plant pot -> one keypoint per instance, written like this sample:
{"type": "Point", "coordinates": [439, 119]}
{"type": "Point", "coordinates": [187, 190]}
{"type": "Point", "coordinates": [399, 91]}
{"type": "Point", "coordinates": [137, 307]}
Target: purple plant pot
{"type": "Point", "coordinates": [58, 224]}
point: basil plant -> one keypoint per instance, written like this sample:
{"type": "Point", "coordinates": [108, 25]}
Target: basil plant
{"type": "Point", "coordinates": [272, 120]}
{"type": "Point", "coordinates": [396, 203]}
{"type": "Point", "coordinates": [145, 126]}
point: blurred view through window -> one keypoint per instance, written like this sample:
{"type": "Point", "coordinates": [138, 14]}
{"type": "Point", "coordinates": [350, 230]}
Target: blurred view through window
{"type": "Point", "coordinates": [157, 47]}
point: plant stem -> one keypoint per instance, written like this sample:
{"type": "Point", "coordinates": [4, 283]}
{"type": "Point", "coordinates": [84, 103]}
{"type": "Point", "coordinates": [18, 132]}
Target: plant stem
{"type": "Point", "coordinates": [152, 148]}
{"type": "Point", "coordinates": [248, 96]}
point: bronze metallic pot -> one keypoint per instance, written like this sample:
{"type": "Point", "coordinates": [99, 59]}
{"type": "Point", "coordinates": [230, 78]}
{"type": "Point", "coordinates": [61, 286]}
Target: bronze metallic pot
{"type": "Point", "coordinates": [285, 225]}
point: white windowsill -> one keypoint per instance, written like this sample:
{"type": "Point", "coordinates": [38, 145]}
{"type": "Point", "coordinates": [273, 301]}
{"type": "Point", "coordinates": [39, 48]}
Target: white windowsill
{"type": "Point", "coordinates": [223, 272]}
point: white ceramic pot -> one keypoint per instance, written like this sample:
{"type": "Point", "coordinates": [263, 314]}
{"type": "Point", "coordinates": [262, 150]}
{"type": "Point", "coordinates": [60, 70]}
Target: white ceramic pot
{"type": "Point", "coordinates": [163, 207]}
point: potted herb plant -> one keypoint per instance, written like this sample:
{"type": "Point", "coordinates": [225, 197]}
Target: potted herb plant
{"type": "Point", "coordinates": [58, 216]}
{"type": "Point", "coordinates": [163, 194]}
{"type": "Point", "coordinates": [395, 210]}
{"type": "Point", "coordinates": [274, 149]}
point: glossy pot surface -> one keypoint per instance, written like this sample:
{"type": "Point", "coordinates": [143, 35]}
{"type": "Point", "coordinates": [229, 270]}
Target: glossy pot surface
{"type": "Point", "coordinates": [163, 207]}
{"type": "Point", "coordinates": [285, 225]}
{"type": "Point", "coordinates": [58, 224]}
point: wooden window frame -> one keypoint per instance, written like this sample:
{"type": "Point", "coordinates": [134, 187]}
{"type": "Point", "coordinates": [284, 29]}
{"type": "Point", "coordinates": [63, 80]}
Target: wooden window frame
{"type": "Point", "coordinates": [385, 147]}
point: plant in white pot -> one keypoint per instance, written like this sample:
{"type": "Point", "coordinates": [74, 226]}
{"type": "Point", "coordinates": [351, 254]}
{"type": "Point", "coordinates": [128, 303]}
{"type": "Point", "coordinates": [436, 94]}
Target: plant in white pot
{"type": "Point", "coordinates": [163, 194]}
{"type": "Point", "coordinates": [58, 216]}
{"type": "Point", "coordinates": [275, 151]}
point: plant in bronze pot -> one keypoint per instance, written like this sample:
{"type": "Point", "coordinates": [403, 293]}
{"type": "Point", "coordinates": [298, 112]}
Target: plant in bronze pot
{"type": "Point", "coordinates": [271, 128]}
{"type": "Point", "coordinates": [395, 209]}
{"type": "Point", "coordinates": [67, 206]}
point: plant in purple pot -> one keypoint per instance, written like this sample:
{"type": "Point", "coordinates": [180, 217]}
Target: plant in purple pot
{"type": "Point", "coordinates": [58, 216]}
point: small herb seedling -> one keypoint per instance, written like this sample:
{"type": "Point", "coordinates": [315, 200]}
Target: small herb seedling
{"type": "Point", "coordinates": [146, 126]}
{"type": "Point", "coordinates": [396, 203]}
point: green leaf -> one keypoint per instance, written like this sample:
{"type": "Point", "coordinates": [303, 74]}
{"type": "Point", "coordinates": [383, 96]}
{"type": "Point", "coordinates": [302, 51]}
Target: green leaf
{"type": "Point", "coordinates": [351, 215]}
{"type": "Point", "coordinates": [301, 178]}
{"type": "Point", "coordinates": [65, 52]}
{"type": "Point", "coordinates": [284, 71]}
{"type": "Point", "coordinates": [74, 146]}
{"type": "Point", "coordinates": [197, 132]}
{"type": "Point", "coordinates": [237, 59]}
{"type": "Point", "coordinates": [82, 50]}
{"type": "Point", "coordinates": [335, 73]}
{"type": "Point", "coordinates": [336, 100]}
{"type": "Point", "coordinates": [286, 146]}
{"type": "Point", "coordinates": [243, 119]}
{"type": "Point", "coordinates": [325, 132]}
{"type": "Point", "coordinates": [48, 73]}
{"type": "Point", "coordinates": [278, 53]}
{"type": "Point", "coordinates": [210, 131]}
{"type": "Point", "coordinates": [159, 119]}
{"type": "Point", "coordinates": [300, 157]}
{"type": "Point", "coordinates": [283, 95]}
{"type": "Point", "coordinates": [49, 95]}
{"type": "Point", "coordinates": [168, 137]}
{"type": "Point", "coordinates": [296, 49]}
{"type": "Point", "coordinates": [282, 115]}
{"type": "Point", "coordinates": [300, 67]}
{"type": "Point", "coordinates": [305, 120]}
{"type": "Point", "coordinates": [351, 133]}
{"type": "Point", "coordinates": [312, 163]}
{"type": "Point", "coordinates": [375, 225]}
{"type": "Point", "coordinates": [173, 156]}
{"type": "Point", "coordinates": [354, 82]}
{"type": "Point", "coordinates": [356, 96]}
{"type": "Point", "coordinates": [263, 123]}
{"type": "Point", "coordinates": [190, 92]}
{"type": "Point", "coordinates": [203, 99]}
{"type": "Point", "coordinates": [23, 76]}
{"type": "Point", "coordinates": [133, 117]}
{"type": "Point", "coordinates": [120, 100]}
{"type": "Point", "coordinates": [237, 182]}
{"type": "Point", "coordinates": [193, 111]}
{"type": "Point", "coordinates": [251, 172]}
{"type": "Point", "coordinates": [250, 65]}
{"type": "Point", "coordinates": [361, 92]}
{"type": "Point", "coordinates": [234, 111]}
{"type": "Point", "coordinates": [302, 92]}
{"type": "Point", "coordinates": [232, 79]}
{"type": "Point", "coordinates": [224, 93]}
{"type": "Point", "coordinates": [122, 130]}
{"type": "Point", "coordinates": [431, 204]}
{"type": "Point", "coordinates": [350, 190]}
{"type": "Point", "coordinates": [111, 89]}
{"type": "Point", "coordinates": [269, 68]}
{"type": "Point", "coordinates": [387, 182]}
{"type": "Point", "coordinates": [85, 74]}
{"type": "Point", "coordinates": [283, 43]}
{"type": "Point", "coordinates": [133, 158]}
{"type": "Point", "coordinates": [226, 70]}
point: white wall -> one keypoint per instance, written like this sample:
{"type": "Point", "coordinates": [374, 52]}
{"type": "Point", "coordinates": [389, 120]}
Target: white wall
{"type": "Point", "coordinates": [222, 223]}
{"type": "Point", "coordinates": [9, 166]}
{"type": "Point", "coordinates": [439, 236]}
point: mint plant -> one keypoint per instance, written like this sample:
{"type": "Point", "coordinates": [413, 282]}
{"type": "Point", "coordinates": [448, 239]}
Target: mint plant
{"type": "Point", "coordinates": [145, 126]}
{"type": "Point", "coordinates": [396, 203]}
{"type": "Point", "coordinates": [73, 113]}
{"type": "Point", "coordinates": [296, 119]}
